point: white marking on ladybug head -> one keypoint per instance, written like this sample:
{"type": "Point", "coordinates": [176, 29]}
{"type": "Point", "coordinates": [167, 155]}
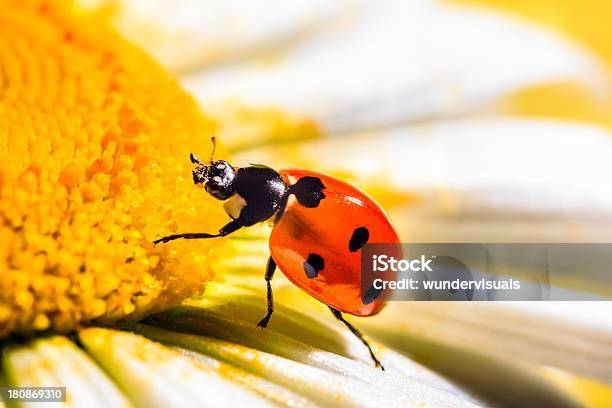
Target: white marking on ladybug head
{"type": "Point", "coordinates": [220, 166]}
{"type": "Point", "coordinates": [217, 179]}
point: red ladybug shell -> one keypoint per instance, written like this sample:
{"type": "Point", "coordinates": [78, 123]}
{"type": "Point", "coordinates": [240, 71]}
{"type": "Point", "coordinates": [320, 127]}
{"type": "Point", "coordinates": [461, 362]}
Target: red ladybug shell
{"type": "Point", "coordinates": [312, 246]}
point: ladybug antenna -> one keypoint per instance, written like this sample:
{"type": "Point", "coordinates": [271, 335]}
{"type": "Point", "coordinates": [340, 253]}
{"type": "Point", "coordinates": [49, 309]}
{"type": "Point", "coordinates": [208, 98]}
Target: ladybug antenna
{"type": "Point", "coordinates": [214, 143]}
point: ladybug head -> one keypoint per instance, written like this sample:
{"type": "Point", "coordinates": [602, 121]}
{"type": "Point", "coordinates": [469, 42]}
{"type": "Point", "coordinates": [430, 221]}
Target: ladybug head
{"type": "Point", "coordinates": [217, 178]}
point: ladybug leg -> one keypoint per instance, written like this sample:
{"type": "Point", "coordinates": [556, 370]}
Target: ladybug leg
{"type": "Point", "coordinates": [358, 334]}
{"type": "Point", "coordinates": [269, 274]}
{"type": "Point", "coordinates": [226, 230]}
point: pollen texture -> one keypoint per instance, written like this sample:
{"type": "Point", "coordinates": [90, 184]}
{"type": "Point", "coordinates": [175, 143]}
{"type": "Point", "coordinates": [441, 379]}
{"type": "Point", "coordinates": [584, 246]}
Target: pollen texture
{"type": "Point", "coordinates": [94, 146]}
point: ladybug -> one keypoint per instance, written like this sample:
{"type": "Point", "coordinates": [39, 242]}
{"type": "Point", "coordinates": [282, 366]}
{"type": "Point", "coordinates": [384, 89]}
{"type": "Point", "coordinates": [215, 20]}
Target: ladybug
{"type": "Point", "coordinates": [320, 224]}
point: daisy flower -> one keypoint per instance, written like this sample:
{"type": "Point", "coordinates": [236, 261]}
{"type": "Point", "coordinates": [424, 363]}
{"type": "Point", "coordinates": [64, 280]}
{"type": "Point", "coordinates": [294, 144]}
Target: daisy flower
{"type": "Point", "coordinates": [469, 121]}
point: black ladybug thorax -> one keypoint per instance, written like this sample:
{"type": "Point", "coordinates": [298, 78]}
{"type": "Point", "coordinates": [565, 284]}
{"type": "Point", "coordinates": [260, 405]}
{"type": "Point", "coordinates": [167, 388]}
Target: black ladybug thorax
{"type": "Point", "coordinates": [259, 193]}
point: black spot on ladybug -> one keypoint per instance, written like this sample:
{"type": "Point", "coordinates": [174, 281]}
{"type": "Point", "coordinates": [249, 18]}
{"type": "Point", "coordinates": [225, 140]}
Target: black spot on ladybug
{"type": "Point", "coordinates": [359, 239]}
{"type": "Point", "coordinates": [313, 265]}
{"type": "Point", "coordinates": [371, 295]}
{"type": "Point", "coordinates": [308, 191]}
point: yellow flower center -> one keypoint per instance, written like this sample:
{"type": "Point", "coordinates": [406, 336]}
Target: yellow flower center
{"type": "Point", "coordinates": [94, 144]}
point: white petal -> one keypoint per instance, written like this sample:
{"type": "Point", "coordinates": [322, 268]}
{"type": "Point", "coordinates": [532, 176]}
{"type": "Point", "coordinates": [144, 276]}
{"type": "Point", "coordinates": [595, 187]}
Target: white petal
{"type": "Point", "coordinates": [57, 362]}
{"type": "Point", "coordinates": [504, 175]}
{"type": "Point", "coordinates": [327, 388]}
{"type": "Point", "coordinates": [156, 376]}
{"type": "Point", "coordinates": [183, 34]}
{"type": "Point", "coordinates": [268, 389]}
{"type": "Point", "coordinates": [506, 332]}
{"type": "Point", "coordinates": [301, 338]}
{"type": "Point", "coordinates": [593, 315]}
{"type": "Point", "coordinates": [398, 60]}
